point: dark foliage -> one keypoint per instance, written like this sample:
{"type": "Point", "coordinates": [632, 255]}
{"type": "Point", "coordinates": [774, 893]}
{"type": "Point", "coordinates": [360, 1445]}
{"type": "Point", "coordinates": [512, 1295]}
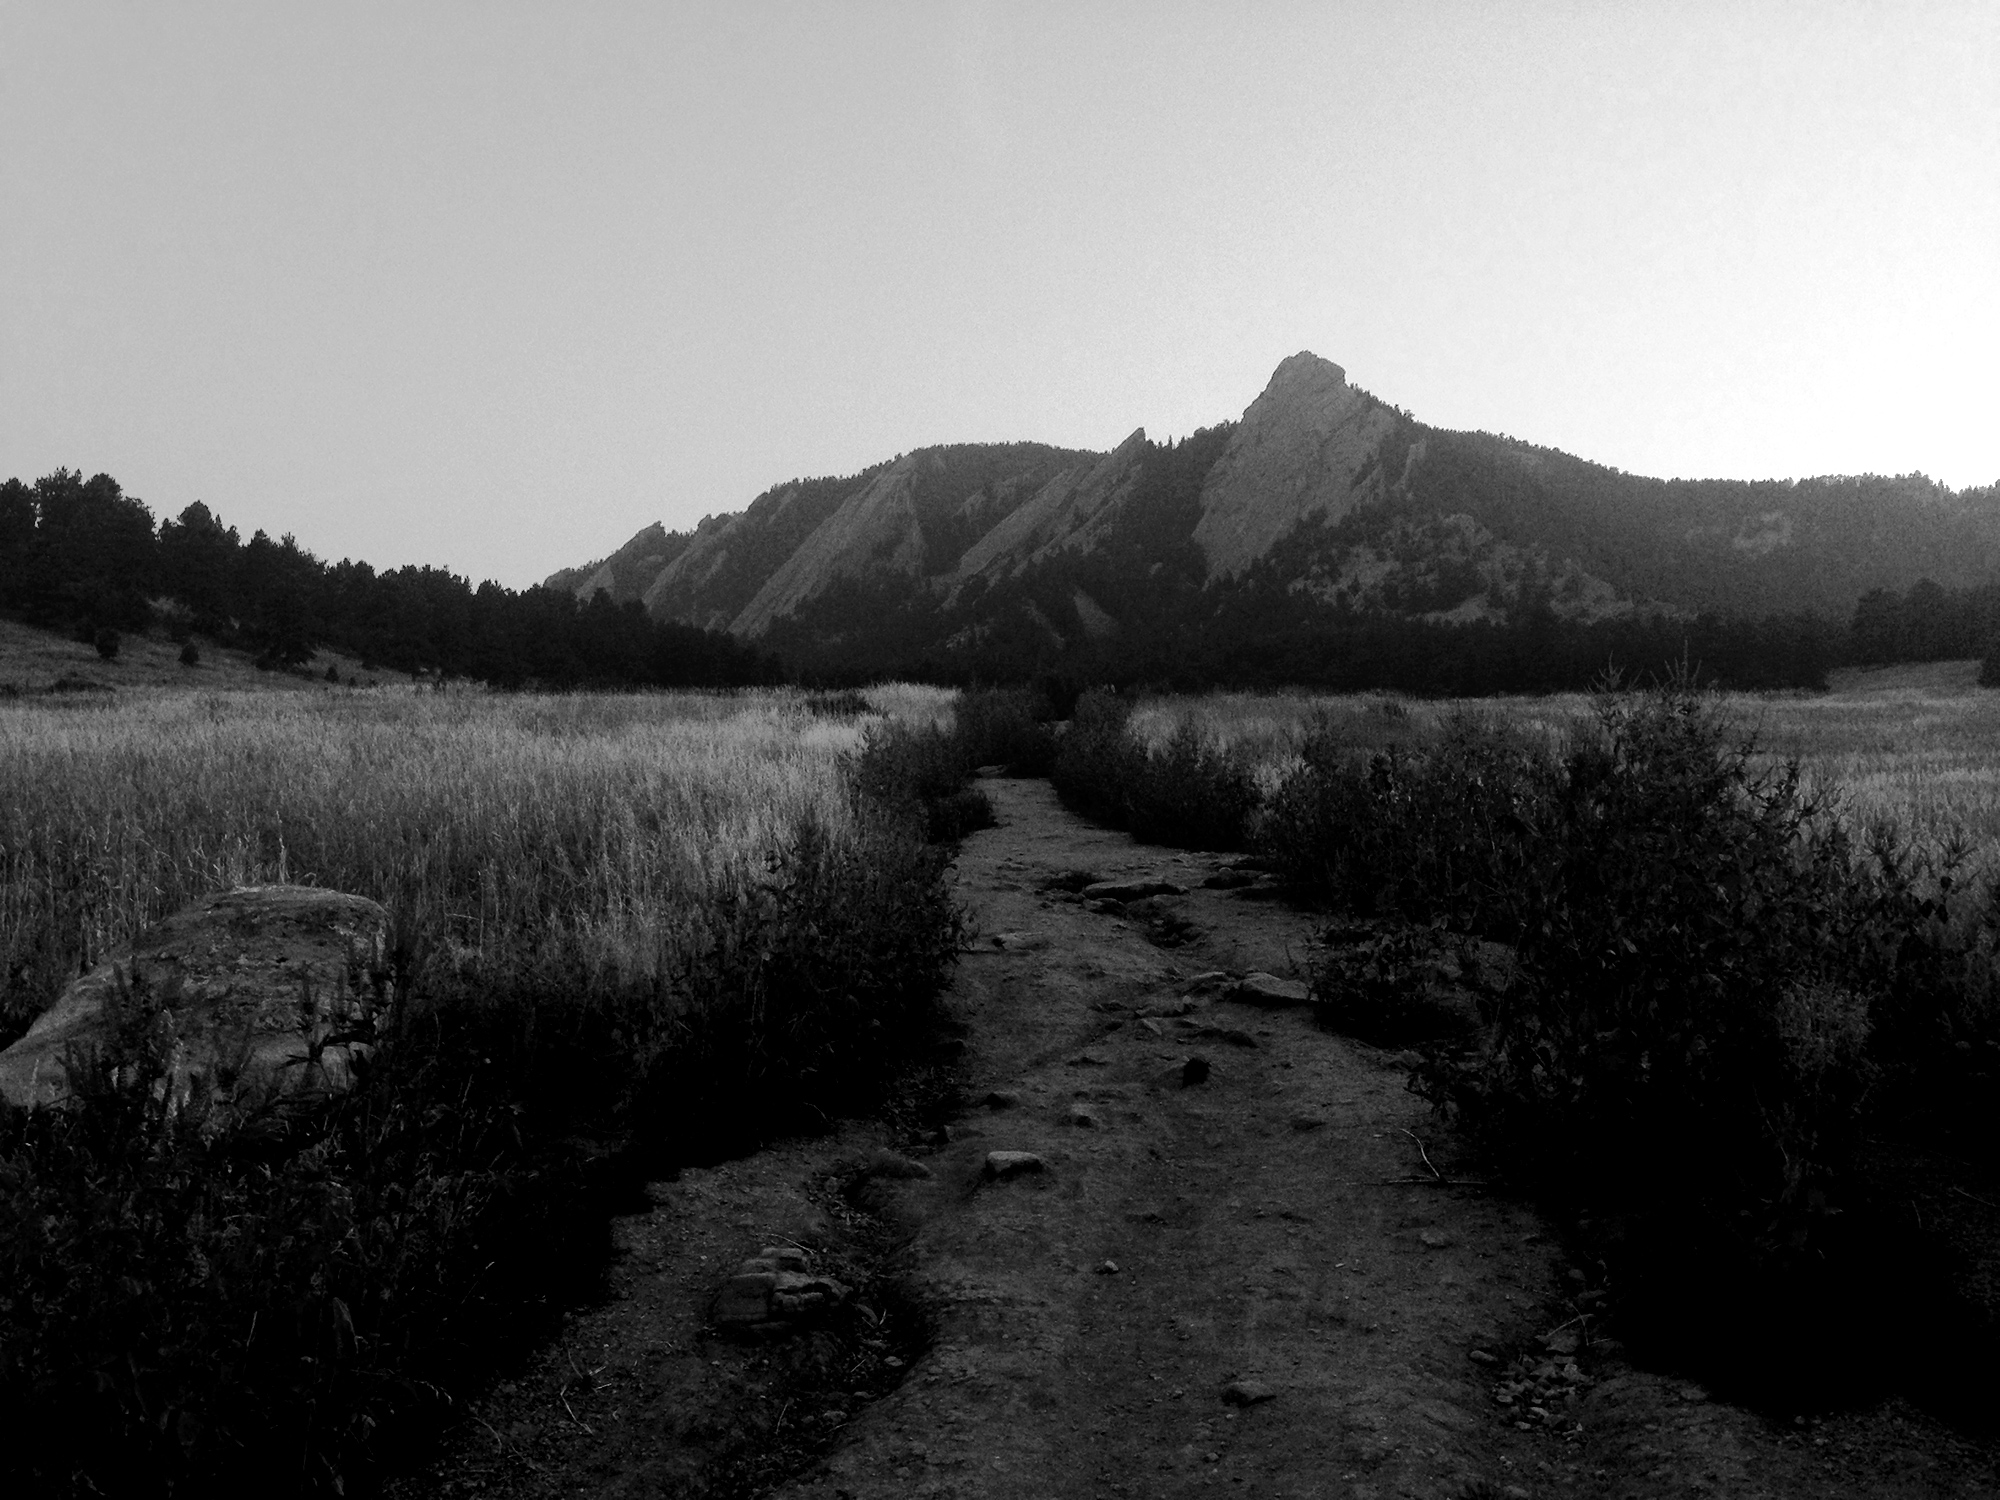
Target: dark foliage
{"type": "Point", "coordinates": [1432, 830]}
{"type": "Point", "coordinates": [926, 769]}
{"type": "Point", "coordinates": [1008, 727]}
{"type": "Point", "coordinates": [1721, 998]}
{"type": "Point", "coordinates": [289, 1298]}
{"type": "Point", "coordinates": [83, 555]}
{"type": "Point", "coordinates": [1188, 793]}
{"type": "Point", "coordinates": [1929, 623]}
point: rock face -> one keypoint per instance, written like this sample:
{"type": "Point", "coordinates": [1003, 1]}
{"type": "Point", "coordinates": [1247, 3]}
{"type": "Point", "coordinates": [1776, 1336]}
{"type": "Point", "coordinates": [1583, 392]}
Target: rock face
{"type": "Point", "coordinates": [875, 530]}
{"type": "Point", "coordinates": [1320, 495]}
{"type": "Point", "coordinates": [262, 986]}
{"type": "Point", "coordinates": [1303, 449]}
{"type": "Point", "coordinates": [1067, 513]}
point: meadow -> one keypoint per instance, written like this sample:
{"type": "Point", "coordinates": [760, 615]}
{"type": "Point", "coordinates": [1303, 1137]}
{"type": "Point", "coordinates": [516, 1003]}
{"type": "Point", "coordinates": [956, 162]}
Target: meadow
{"type": "Point", "coordinates": [492, 827]}
{"type": "Point", "coordinates": [630, 931]}
{"type": "Point", "coordinates": [1916, 747]}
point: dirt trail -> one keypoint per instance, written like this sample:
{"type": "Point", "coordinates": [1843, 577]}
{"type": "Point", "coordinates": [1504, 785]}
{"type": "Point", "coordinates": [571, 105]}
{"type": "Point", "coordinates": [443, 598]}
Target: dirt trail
{"type": "Point", "coordinates": [1269, 1229]}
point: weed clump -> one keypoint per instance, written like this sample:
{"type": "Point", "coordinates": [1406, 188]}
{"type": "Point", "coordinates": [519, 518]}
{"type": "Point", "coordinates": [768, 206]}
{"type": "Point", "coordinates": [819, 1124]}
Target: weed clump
{"type": "Point", "coordinates": [1187, 793]}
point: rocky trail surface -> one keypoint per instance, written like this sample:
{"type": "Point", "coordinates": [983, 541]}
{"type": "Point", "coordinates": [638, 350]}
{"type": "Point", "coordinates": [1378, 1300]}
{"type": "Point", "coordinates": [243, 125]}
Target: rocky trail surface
{"type": "Point", "coordinates": [1179, 1240]}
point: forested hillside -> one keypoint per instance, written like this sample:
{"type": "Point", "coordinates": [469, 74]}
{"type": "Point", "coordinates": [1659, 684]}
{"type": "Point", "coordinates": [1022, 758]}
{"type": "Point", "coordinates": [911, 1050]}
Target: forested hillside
{"type": "Point", "coordinates": [1325, 538]}
{"type": "Point", "coordinates": [82, 556]}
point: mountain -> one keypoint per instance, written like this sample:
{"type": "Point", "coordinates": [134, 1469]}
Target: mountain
{"type": "Point", "coordinates": [1320, 506]}
{"type": "Point", "coordinates": [627, 573]}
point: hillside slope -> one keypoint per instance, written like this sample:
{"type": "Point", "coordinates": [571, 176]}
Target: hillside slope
{"type": "Point", "coordinates": [1321, 503]}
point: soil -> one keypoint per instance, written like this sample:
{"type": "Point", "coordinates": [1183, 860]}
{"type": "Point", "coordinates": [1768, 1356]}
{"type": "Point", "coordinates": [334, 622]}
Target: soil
{"type": "Point", "coordinates": [1271, 1280]}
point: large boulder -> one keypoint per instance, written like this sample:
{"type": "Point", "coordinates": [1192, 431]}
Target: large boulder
{"type": "Point", "coordinates": [262, 990]}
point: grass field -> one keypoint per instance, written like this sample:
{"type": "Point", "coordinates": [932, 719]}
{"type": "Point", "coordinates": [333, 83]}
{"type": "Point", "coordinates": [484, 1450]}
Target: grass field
{"type": "Point", "coordinates": [631, 931]}
{"type": "Point", "coordinates": [491, 826]}
{"type": "Point", "coordinates": [1914, 746]}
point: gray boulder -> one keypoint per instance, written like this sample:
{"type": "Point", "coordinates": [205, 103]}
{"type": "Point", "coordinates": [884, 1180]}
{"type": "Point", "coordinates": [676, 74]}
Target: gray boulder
{"type": "Point", "coordinates": [774, 1292]}
{"type": "Point", "coordinates": [263, 989]}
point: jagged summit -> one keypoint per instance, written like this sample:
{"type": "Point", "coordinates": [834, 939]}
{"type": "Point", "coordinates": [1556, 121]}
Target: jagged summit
{"type": "Point", "coordinates": [1301, 450]}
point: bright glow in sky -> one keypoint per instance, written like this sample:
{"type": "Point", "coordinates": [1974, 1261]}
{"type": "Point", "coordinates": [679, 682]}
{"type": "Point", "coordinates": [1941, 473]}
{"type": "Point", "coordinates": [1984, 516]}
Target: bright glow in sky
{"type": "Point", "coordinates": [494, 285]}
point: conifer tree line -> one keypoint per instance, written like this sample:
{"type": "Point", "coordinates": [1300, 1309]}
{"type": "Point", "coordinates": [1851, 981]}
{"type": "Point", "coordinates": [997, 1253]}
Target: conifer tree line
{"type": "Point", "coordinates": [82, 556]}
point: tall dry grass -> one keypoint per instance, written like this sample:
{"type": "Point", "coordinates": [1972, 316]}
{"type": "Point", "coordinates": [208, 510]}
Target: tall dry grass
{"type": "Point", "coordinates": [491, 827]}
{"type": "Point", "coordinates": [636, 931]}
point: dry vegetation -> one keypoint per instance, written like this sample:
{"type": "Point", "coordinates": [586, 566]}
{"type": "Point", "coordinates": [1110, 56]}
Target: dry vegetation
{"type": "Point", "coordinates": [1916, 746]}
{"type": "Point", "coordinates": [491, 827]}
{"type": "Point", "coordinates": [631, 931]}
{"type": "Point", "coordinates": [1754, 942]}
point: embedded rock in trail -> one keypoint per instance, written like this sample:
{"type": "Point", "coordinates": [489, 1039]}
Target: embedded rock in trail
{"type": "Point", "coordinates": [264, 987]}
{"type": "Point", "coordinates": [1001, 1165]}
{"type": "Point", "coordinates": [1269, 991]}
{"type": "Point", "coordinates": [1131, 890]}
{"type": "Point", "coordinates": [773, 1293]}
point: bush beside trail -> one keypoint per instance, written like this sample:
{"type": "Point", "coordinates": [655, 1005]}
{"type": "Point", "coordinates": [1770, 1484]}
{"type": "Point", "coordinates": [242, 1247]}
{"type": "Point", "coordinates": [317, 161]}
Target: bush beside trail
{"type": "Point", "coordinates": [926, 768]}
{"type": "Point", "coordinates": [295, 1297]}
{"type": "Point", "coordinates": [1725, 1004]}
{"type": "Point", "coordinates": [1187, 793]}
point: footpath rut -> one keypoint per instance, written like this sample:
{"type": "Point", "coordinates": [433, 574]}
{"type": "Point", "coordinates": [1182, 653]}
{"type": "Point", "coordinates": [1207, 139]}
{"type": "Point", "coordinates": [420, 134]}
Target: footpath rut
{"type": "Point", "coordinates": [1244, 1285]}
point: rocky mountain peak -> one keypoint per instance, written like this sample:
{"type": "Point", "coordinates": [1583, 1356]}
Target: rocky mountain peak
{"type": "Point", "coordinates": [1302, 449]}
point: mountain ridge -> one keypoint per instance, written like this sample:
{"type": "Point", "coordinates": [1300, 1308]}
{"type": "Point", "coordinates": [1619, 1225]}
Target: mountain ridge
{"type": "Point", "coordinates": [1320, 501]}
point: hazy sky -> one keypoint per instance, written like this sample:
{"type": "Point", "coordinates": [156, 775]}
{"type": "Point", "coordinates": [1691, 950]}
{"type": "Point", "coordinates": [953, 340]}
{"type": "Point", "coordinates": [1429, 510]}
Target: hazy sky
{"type": "Point", "coordinates": [494, 285]}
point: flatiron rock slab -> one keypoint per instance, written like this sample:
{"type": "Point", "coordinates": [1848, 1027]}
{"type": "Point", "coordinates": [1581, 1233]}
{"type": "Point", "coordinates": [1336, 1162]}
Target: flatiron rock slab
{"type": "Point", "coordinates": [261, 987]}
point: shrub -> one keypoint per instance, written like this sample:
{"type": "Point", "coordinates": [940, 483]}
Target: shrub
{"type": "Point", "coordinates": [1192, 795]}
{"type": "Point", "coordinates": [190, 654]}
{"type": "Point", "coordinates": [1008, 727]}
{"type": "Point", "coordinates": [106, 641]}
{"type": "Point", "coordinates": [1721, 995]}
{"type": "Point", "coordinates": [1684, 922]}
{"type": "Point", "coordinates": [1098, 760]}
{"type": "Point", "coordinates": [1189, 793]}
{"type": "Point", "coordinates": [925, 768]}
{"type": "Point", "coordinates": [1444, 829]}
{"type": "Point", "coordinates": [921, 770]}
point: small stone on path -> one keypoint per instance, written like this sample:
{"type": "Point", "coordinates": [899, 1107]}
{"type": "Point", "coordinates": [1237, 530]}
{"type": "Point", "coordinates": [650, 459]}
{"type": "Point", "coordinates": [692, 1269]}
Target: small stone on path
{"type": "Point", "coordinates": [1269, 991]}
{"type": "Point", "coordinates": [1247, 1392]}
{"type": "Point", "coordinates": [1001, 1165]}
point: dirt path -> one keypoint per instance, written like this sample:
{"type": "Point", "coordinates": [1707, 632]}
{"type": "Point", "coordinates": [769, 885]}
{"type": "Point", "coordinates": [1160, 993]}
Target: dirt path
{"type": "Point", "coordinates": [1242, 1285]}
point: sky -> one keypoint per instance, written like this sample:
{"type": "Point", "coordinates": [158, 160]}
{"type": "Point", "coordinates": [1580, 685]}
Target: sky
{"type": "Point", "coordinates": [492, 286]}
